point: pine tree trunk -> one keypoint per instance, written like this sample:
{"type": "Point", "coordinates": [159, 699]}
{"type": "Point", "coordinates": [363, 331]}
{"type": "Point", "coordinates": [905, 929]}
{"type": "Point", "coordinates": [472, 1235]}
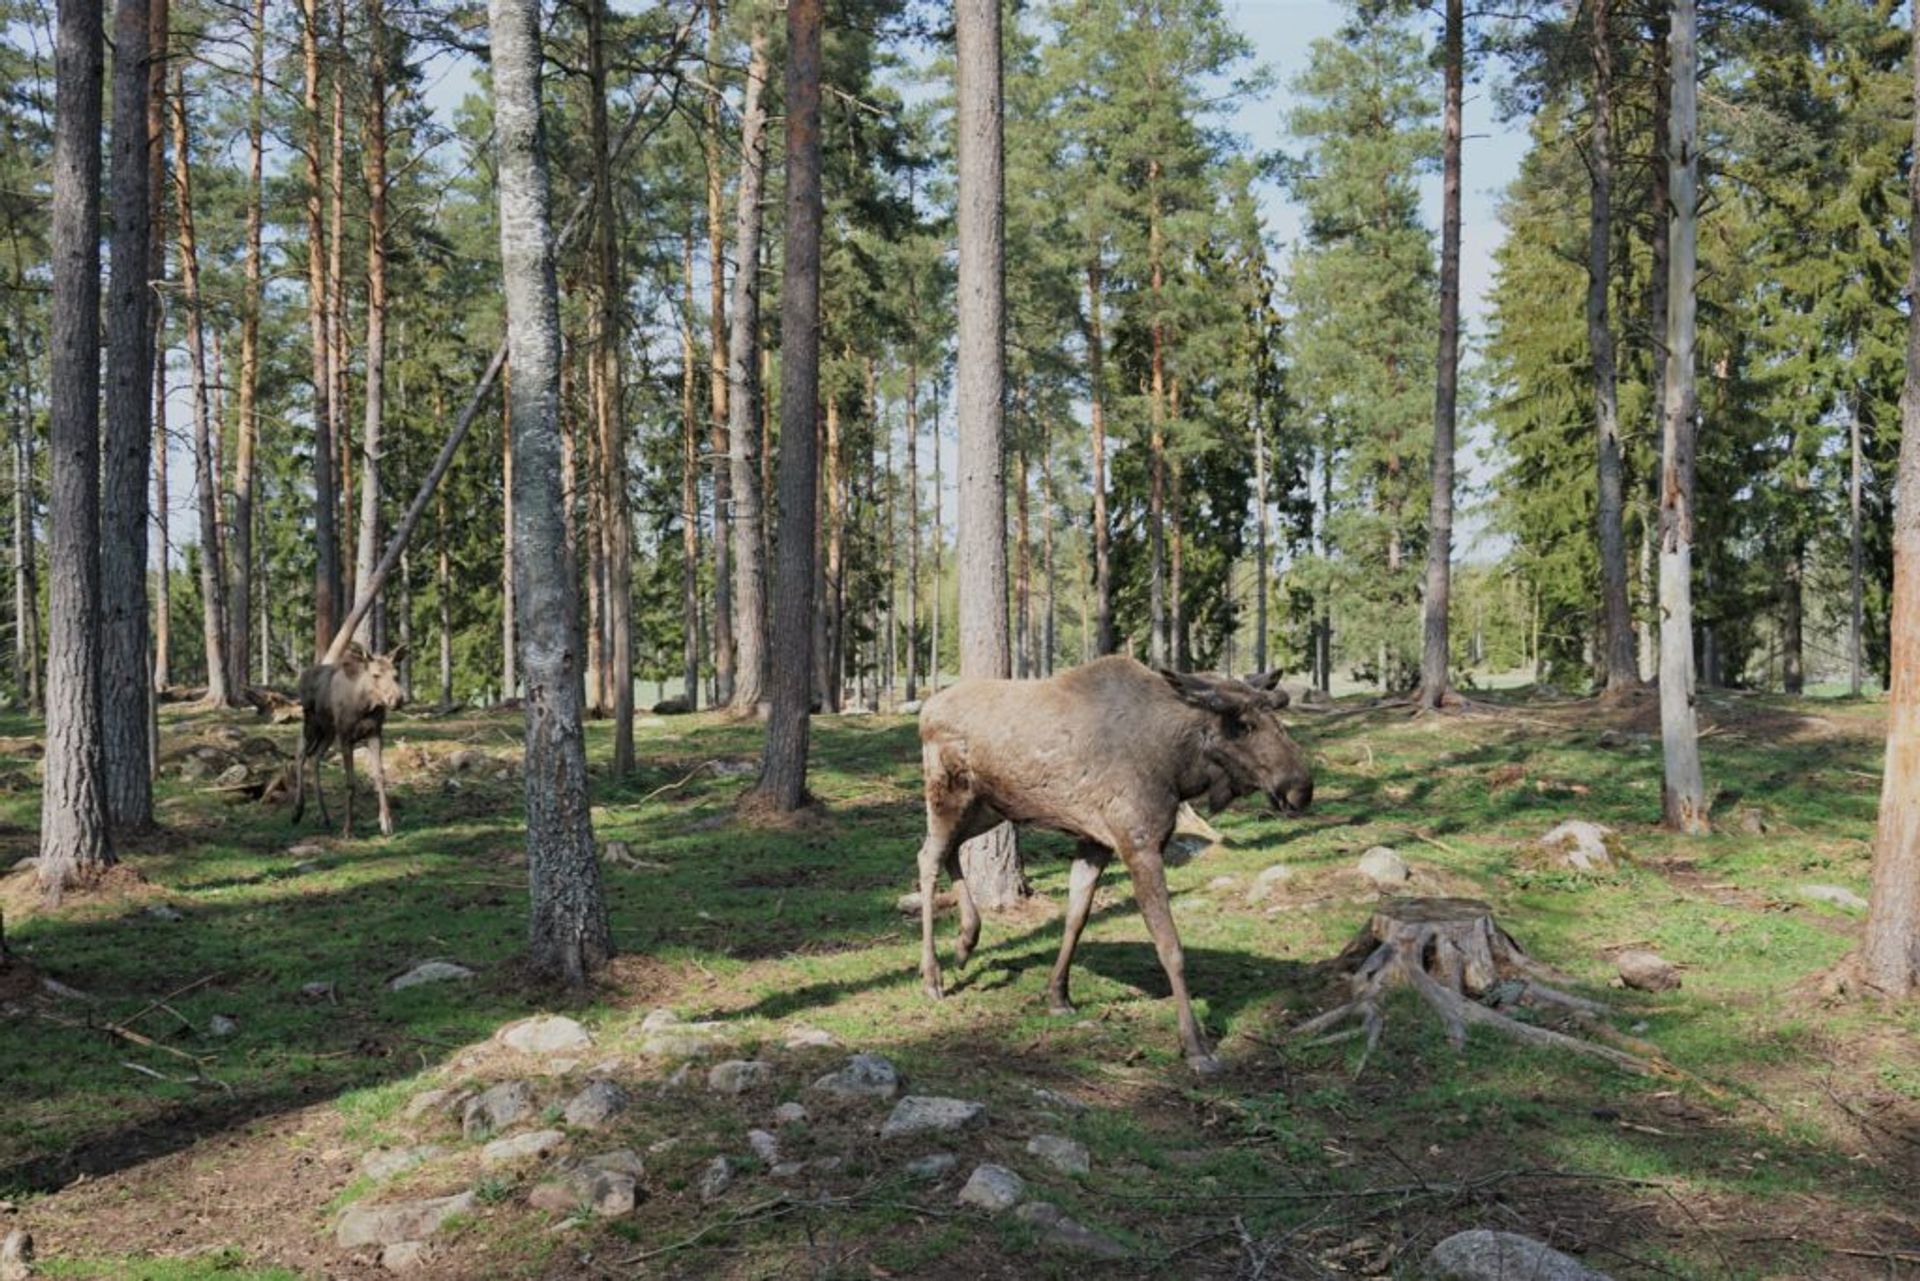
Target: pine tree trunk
{"type": "Point", "coordinates": [1793, 670]}
{"type": "Point", "coordinates": [1180, 648]}
{"type": "Point", "coordinates": [1617, 659]}
{"type": "Point", "coordinates": [159, 658]}
{"type": "Point", "coordinates": [1262, 525]}
{"type": "Point", "coordinates": [835, 530]}
{"type": "Point", "coordinates": [913, 497]}
{"type": "Point", "coordinates": [326, 573]}
{"type": "Point", "coordinates": [162, 520]}
{"type": "Point", "coordinates": [125, 674]}
{"type": "Point", "coordinates": [1855, 575]}
{"type": "Point", "coordinates": [26, 587]}
{"type": "Point", "coordinates": [939, 542]}
{"type": "Point", "coordinates": [1892, 950]}
{"type": "Point", "coordinates": [568, 935]}
{"type": "Point", "coordinates": [743, 395]}
{"type": "Point", "coordinates": [991, 863]}
{"type": "Point", "coordinates": [206, 472]}
{"type": "Point", "coordinates": [717, 393]}
{"type": "Point", "coordinates": [594, 530]}
{"type": "Point", "coordinates": [1434, 652]}
{"type": "Point", "coordinates": [783, 771]}
{"type": "Point", "coordinates": [1023, 660]}
{"type": "Point", "coordinates": [509, 646]}
{"type": "Point", "coordinates": [75, 845]}
{"type": "Point", "coordinates": [443, 594]}
{"type": "Point", "coordinates": [1158, 648]}
{"type": "Point", "coordinates": [337, 318]}
{"type": "Point", "coordinates": [367, 541]}
{"type": "Point", "coordinates": [1683, 797]}
{"type": "Point", "coordinates": [1048, 568]}
{"type": "Point", "coordinates": [689, 491]}
{"type": "Point", "coordinates": [890, 651]}
{"type": "Point", "coordinates": [1096, 395]}
{"type": "Point", "coordinates": [240, 562]}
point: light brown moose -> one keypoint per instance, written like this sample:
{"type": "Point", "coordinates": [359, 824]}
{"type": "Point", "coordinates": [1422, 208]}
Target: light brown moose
{"type": "Point", "coordinates": [346, 704]}
{"type": "Point", "coordinates": [1105, 753]}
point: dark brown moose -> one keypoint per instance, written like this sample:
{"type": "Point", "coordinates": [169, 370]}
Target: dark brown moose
{"type": "Point", "coordinates": [346, 704]}
{"type": "Point", "coordinates": [1105, 753]}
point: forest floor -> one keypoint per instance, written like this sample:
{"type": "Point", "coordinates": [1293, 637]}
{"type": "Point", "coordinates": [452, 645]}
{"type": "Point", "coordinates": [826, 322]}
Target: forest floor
{"type": "Point", "coordinates": [1784, 1142]}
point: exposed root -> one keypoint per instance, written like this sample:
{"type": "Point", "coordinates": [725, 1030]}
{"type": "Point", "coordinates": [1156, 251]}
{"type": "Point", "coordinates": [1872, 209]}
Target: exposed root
{"type": "Point", "coordinates": [1465, 967]}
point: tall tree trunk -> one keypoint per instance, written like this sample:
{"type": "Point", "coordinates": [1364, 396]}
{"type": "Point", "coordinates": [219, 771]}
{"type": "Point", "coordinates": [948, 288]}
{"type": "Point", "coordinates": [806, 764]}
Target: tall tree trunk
{"type": "Point", "coordinates": [1179, 647]}
{"type": "Point", "coordinates": [367, 541]}
{"type": "Point", "coordinates": [1157, 620]}
{"type": "Point", "coordinates": [586, 431]}
{"type": "Point", "coordinates": [1793, 677]}
{"type": "Point", "coordinates": [509, 648]}
{"type": "Point", "coordinates": [1855, 613]}
{"type": "Point", "coordinates": [1892, 950]}
{"type": "Point", "coordinates": [1683, 797]}
{"type": "Point", "coordinates": [616, 508]}
{"type": "Point", "coordinates": [991, 863]}
{"type": "Point", "coordinates": [834, 530]}
{"type": "Point", "coordinates": [1434, 651]}
{"type": "Point", "coordinates": [1023, 657]}
{"type": "Point", "coordinates": [1049, 569]}
{"type": "Point", "coordinates": [717, 393]}
{"type": "Point", "coordinates": [743, 395]}
{"type": "Point", "coordinates": [337, 316]}
{"type": "Point", "coordinates": [326, 572]}
{"type": "Point", "coordinates": [125, 674]}
{"type": "Point", "coordinates": [939, 542]}
{"type": "Point", "coordinates": [443, 598]}
{"type": "Point", "coordinates": [75, 844]}
{"type": "Point", "coordinates": [890, 625]}
{"type": "Point", "coordinates": [26, 586]}
{"type": "Point", "coordinates": [1617, 659]}
{"type": "Point", "coordinates": [1096, 394]}
{"type": "Point", "coordinates": [568, 935]}
{"type": "Point", "coordinates": [783, 771]}
{"type": "Point", "coordinates": [206, 473]}
{"type": "Point", "coordinates": [1262, 526]}
{"type": "Point", "coordinates": [162, 519]}
{"type": "Point", "coordinates": [247, 430]}
{"type": "Point", "coordinates": [689, 490]}
{"type": "Point", "coordinates": [913, 496]}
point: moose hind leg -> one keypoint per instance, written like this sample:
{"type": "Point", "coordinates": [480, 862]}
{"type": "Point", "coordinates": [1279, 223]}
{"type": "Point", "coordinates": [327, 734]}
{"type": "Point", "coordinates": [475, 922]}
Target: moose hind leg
{"type": "Point", "coordinates": [933, 852]}
{"type": "Point", "coordinates": [318, 756]}
{"type": "Point", "coordinates": [1150, 890]}
{"type": "Point", "coordinates": [380, 785]}
{"type": "Point", "coordinates": [300, 775]}
{"type": "Point", "coordinates": [1088, 863]}
{"type": "Point", "coordinates": [346, 759]}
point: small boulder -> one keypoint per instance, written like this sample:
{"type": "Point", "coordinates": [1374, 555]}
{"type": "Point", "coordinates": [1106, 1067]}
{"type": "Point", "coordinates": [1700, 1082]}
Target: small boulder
{"type": "Point", "coordinates": [789, 1114]}
{"type": "Point", "coordinates": [591, 1187]}
{"type": "Point", "coordinates": [1263, 884]}
{"type": "Point", "coordinates": [678, 1045]}
{"type": "Point", "coordinates": [595, 1106]}
{"type": "Point", "coordinates": [866, 1076]}
{"type": "Point", "coordinates": [1384, 867]}
{"type": "Point", "coordinates": [1645, 971]}
{"type": "Point", "coordinates": [16, 1256]}
{"type": "Point", "coordinates": [222, 1025]}
{"type": "Point", "coordinates": [788, 1170]}
{"type": "Point", "coordinates": [429, 972]}
{"type": "Point", "coordinates": [545, 1034]}
{"type": "Point", "coordinates": [1836, 895]}
{"type": "Point", "coordinates": [1484, 1255]}
{"type": "Point", "coordinates": [809, 1038]}
{"type": "Point", "coordinates": [619, 1161]}
{"type": "Point", "coordinates": [1068, 1235]}
{"type": "Point", "coordinates": [934, 1165]}
{"type": "Point", "coordinates": [496, 1108]}
{"type": "Point", "coordinates": [993, 1188]}
{"type": "Point", "coordinates": [430, 1102]}
{"type": "Point", "coordinates": [162, 912]}
{"type": "Point", "coordinates": [657, 1018]}
{"type": "Point", "coordinates": [715, 1179]}
{"type": "Point", "coordinates": [404, 1256]}
{"type": "Point", "coordinates": [384, 1163]}
{"type": "Point", "coordinates": [364, 1225]}
{"type": "Point", "coordinates": [764, 1146]}
{"type": "Point", "coordinates": [921, 1114]}
{"type": "Point", "coordinates": [737, 1076]}
{"type": "Point", "coordinates": [522, 1147]}
{"type": "Point", "coordinates": [1062, 1154]}
{"type": "Point", "coordinates": [1581, 846]}
{"type": "Point", "coordinates": [1753, 822]}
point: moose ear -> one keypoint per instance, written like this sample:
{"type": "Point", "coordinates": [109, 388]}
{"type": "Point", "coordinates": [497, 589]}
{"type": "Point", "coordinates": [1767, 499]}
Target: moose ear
{"type": "Point", "coordinates": [1198, 691]}
{"type": "Point", "coordinates": [1268, 684]}
{"type": "Point", "coordinates": [398, 656]}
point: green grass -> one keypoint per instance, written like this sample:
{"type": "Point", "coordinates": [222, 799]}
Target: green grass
{"type": "Point", "coordinates": [769, 927]}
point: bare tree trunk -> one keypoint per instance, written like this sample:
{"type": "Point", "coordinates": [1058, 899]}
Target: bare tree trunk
{"type": "Point", "coordinates": [939, 543]}
{"type": "Point", "coordinates": [743, 395]}
{"type": "Point", "coordinates": [443, 594]}
{"type": "Point", "coordinates": [1892, 950]}
{"type": "Point", "coordinates": [75, 843]}
{"type": "Point", "coordinates": [568, 935]}
{"type": "Point", "coordinates": [509, 647]}
{"type": "Point", "coordinates": [615, 507]}
{"type": "Point", "coordinates": [1617, 658]}
{"type": "Point", "coordinates": [783, 771]}
{"type": "Point", "coordinates": [1435, 653]}
{"type": "Point", "coordinates": [1159, 650]}
{"type": "Point", "coordinates": [1793, 675]}
{"type": "Point", "coordinates": [1683, 797]}
{"type": "Point", "coordinates": [26, 586]}
{"type": "Point", "coordinates": [1856, 614]}
{"type": "Point", "coordinates": [1096, 394]}
{"type": "Point", "coordinates": [1051, 620]}
{"type": "Point", "coordinates": [367, 541]}
{"type": "Point", "coordinates": [593, 531]}
{"type": "Point", "coordinates": [1023, 658]}
{"type": "Point", "coordinates": [326, 574]}
{"type": "Point", "coordinates": [240, 560]}
{"type": "Point", "coordinates": [1178, 647]}
{"type": "Point", "coordinates": [834, 530]}
{"type": "Point", "coordinates": [717, 393]}
{"type": "Point", "coordinates": [205, 473]}
{"type": "Point", "coordinates": [125, 673]}
{"type": "Point", "coordinates": [689, 490]}
{"type": "Point", "coordinates": [162, 517]}
{"type": "Point", "coordinates": [913, 498]}
{"type": "Point", "coordinates": [337, 315]}
{"type": "Point", "coordinates": [991, 863]}
{"type": "Point", "coordinates": [1262, 526]}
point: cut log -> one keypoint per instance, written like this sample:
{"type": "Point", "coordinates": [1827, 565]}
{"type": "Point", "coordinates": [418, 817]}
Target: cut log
{"type": "Point", "coordinates": [1466, 968]}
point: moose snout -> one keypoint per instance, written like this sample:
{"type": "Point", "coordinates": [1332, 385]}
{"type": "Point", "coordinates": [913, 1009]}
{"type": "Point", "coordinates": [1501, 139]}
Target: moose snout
{"type": "Point", "coordinates": [1294, 797]}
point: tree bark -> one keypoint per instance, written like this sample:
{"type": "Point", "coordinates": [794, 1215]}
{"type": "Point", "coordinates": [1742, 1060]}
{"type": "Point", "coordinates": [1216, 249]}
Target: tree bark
{"type": "Point", "coordinates": [783, 771]}
{"type": "Point", "coordinates": [367, 545]}
{"type": "Point", "coordinates": [326, 574]}
{"type": "Point", "coordinates": [162, 518]}
{"type": "Point", "coordinates": [337, 316]}
{"type": "Point", "coordinates": [1683, 796]}
{"type": "Point", "coordinates": [717, 394]}
{"type": "Point", "coordinates": [240, 560]}
{"type": "Point", "coordinates": [1435, 654]}
{"type": "Point", "coordinates": [125, 672]}
{"type": "Point", "coordinates": [834, 532]}
{"type": "Point", "coordinates": [689, 491]}
{"type": "Point", "coordinates": [26, 586]}
{"type": "Point", "coordinates": [159, 630]}
{"type": "Point", "coordinates": [1793, 674]}
{"type": "Point", "coordinates": [509, 648]}
{"type": "Point", "coordinates": [443, 596]}
{"type": "Point", "coordinates": [1617, 659]}
{"type": "Point", "coordinates": [913, 495]}
{"type": "Point", "coordinates": [743, 395]}
{"type": "Point", "coordinates": [75, 843]}
{"type": "Point", "coordinates": [568, 935]}
{"type": "Point", "coordinates": [1096, 395]}
{"type": "Point", "coordinates": [1158, 648]}
{"type": "Point", "coordinates": [991, 863]}
{"type": "Point", "coordinates": [1855, 558]}
{"type": "Point", "coordinates": [1023, 649]}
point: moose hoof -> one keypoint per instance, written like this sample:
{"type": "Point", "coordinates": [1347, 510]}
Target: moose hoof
{"type": "Point", "coordinates": [930, 984]}
{"type": "Point", "coordinates": [1061, 1005]}
{"type": "Point", "coordinates": [1205, 1065]}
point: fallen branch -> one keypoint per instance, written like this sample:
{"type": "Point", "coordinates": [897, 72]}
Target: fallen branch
{"type": "Point", "coordinates": [1425, 1188]}
{"type": "Point", "coordinates": [699, 769]}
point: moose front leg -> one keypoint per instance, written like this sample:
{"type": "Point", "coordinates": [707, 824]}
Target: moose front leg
{"type": "Point", "coordinates": [1150, 891]}
{"type": "Point", "coordinates": [380, 785]}
{"type": "Point", "coordinates": [346, 759]}
{"type": "Point", "coordinates": [1089, 861]}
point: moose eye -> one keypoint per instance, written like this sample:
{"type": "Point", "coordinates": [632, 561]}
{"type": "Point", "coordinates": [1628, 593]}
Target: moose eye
{"type": "Point", "coordinates": [1235, 727]}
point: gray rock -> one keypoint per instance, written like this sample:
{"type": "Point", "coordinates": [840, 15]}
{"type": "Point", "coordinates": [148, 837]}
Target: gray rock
{"type": "Point", "coordinates": [595, 1107]}
{"type": "Point", "coordinates": [496, 1108]}
{"type": "Point", "coordinates": [222, 1025]}
{"type": "Point", "coordinates": [1384, 867]}
{"type": "Point", "coordinates": [911, 707]}
{"type": "Point", "coordinates": [808, 1038]}
{"type": "Point", "coordinates": [922, 1114]}
{"type": "Point", "coordinates": [764, 1146]}
{"type": "Point", "coordinates": [16, 1256]}
{"type": "Point", "coordinates": [162, 912]}
{"type": "Point", "coordinates": [319, 991]}
{"type": "Point", "coordinates": [825, 1164]}
{"type": "Point", "coordinates": [1837, 895]}
{"type": "Point", "coordinates": [404, 1256]}
{"type": "Point", "coordinates": [737, 1076]}
{"type": "Point", "coordinates": [1054, 1099]}
{"type": "Point", "coordinates": [1483, 1255]}
{"type": "Point", "coordinates": [545, 1034]}
{"type": "Point", "coordinates": [587, 1189]}
{"type": "Point", "coordinates": [619, 1161]}
{"type": "Point", "coordinates": [383, 1163]}
{"type": "Point", "coordinates": [716, 1179]}
{"type": "Point", "coordinates": [993, 1188]}
{"type": "Point", "coordinates": [1263, 884]}
{"type": "Point", "coordinates": [866, 1076]}
{"type": "Point", "coordinates": [429, 972]}
{"type": "Point", "coordinates": [934, 1165]}
{"type": "Point", "coordinates": [1062, 1154]}
{"type": "Point", "coordinates": [789, 1169]}
{"type": "Point", "coordinates": [1219, 883]}
{"type": "Point", "coordinates": [1581, 846]}
{"type": "Point", "coordinates": [364, 1225]}
{"type": "Point", "coordinates": [432, 1101]}
{"type": "Point", "coordinates": [789, 1114]}
{"type": "Point", "coordinates": [678, 1045]}
{"type": "Point", "coordinates": [1645, 971]}
{"type": "Point", "coordinates": [522, 1147]}
{"type": "Point", "coordinates": [658, 1018]}
{"type": "Point", "coordinates": [1069, 1235]}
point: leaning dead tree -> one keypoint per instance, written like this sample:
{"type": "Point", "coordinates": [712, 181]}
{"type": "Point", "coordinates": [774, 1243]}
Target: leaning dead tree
{"type": "Point", "coordinates": [1466, 968]}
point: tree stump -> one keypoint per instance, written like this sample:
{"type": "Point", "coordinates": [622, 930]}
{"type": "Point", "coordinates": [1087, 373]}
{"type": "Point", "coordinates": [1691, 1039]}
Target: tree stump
{"type": "Point", "coordinates": [1466, 968]}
